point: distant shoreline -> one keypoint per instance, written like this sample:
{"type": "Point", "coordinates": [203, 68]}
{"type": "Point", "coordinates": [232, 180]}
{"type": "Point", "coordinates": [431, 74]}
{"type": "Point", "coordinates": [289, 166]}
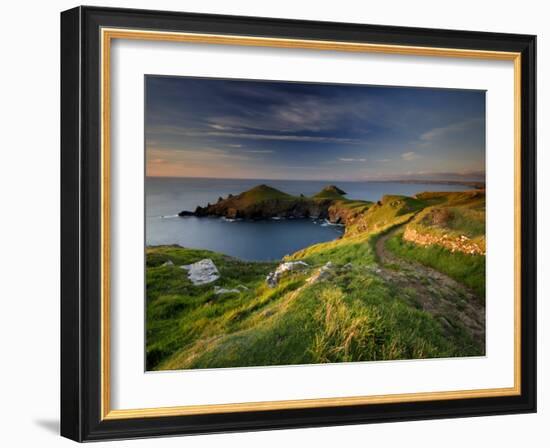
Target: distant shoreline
{"type": "Point", "coordinates": [475, 184]}
{"type": "Point", "coordinates": [478, 185]}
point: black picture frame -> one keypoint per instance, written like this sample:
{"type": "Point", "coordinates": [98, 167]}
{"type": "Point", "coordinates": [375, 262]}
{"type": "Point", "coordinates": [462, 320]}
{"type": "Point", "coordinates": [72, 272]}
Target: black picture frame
{"type": "Point", "coordinates": [81, 224]}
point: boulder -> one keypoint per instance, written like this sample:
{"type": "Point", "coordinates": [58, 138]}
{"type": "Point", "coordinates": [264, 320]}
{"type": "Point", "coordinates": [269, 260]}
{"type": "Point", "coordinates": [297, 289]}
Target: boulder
{"type": "Point", "coordinates": [202, 272]}
{"type": "Point", "coordinates": [322, 274]}
{"type": "Point", "coordinates": [167, 263]}
{"type": "Point", "coordinates": [273, 278]}
{"type": "Point", "coordinates": [218, 290]}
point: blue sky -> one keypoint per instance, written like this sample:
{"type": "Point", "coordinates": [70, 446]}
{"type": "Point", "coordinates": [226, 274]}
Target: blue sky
{"type": "Point", "coordinates": [197, 127]}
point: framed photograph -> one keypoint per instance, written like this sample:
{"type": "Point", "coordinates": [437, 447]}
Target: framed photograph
{"type": "Point", "coordinates": [277, 224]}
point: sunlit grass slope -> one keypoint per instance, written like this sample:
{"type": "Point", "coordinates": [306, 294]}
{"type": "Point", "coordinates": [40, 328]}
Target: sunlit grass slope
{"type": "Point", "coordinates": [352, 315]}
{"type": "Point", "coordinates": [458, 217]}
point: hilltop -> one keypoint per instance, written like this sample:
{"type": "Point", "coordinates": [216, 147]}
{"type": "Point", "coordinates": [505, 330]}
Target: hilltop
{"type": "Point", "coordinates": [406, 281]}
{"type": "Point", "coordinates": [331, 192]}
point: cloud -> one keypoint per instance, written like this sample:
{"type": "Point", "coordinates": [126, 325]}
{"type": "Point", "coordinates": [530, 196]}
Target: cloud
{"type": "Point", "coordinates": [288, 138]}
{"type": "Point", "coordinates": [408, 156]}
{"type": "Point", "coordinates": [441, 132]}
{"type": "Point", "coordinates": [204, 154]}
{"type": "Point", "coordinates": [178, 131]}
{"type": "Point", "coordinates": [250, 128]}
{"type": "Point", "coordinates": [219, 127]}
{"type": "Point", "coordinates": [349, 159]}
{"type": "Point", "coordinates": [285, 113]}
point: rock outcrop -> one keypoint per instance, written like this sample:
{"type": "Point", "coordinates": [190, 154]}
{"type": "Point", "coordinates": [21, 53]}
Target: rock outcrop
{"type": "Point", "coordinates": [323, 273]}
{"type": "Point", "coordinates": [220, 291]}
{"type": "Point", "coordinates": [273, 278]}
{"type": "Point", "coordinates": [202, 272]}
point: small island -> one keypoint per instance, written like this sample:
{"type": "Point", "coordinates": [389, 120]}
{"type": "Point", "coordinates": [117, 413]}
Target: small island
{"type": "Point", "coordinates": [265, 202]}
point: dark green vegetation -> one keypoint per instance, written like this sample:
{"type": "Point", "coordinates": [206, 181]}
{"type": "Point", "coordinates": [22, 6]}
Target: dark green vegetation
{"type": "Point", "coordinates": [380, 297]}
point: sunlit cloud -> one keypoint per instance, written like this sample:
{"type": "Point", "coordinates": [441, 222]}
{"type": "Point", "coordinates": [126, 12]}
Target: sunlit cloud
{"type": "Point", "coordinates": [408, 156]}
{"type": "Point", "coordinates": [443, 131]}
{"type": "Point", "coordinates": [249, 129]}
{"type": "Point", "coordinates": [349, 159]}
{"type": "Point", "coordinates": [178, 131]}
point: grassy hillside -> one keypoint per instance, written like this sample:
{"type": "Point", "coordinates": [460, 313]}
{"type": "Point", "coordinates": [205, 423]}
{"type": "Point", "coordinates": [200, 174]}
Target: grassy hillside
{"type": "Point", "coordinates": [258, 194]}
{"type": "Point", "coordinates": [455, 216]}
{"type": "Point", "coordinates": [364, 306]}
{"type": "Point", "coordinates": [330, 192]}
{"type": "Point", "coordinates": [466, 269]}
{"type": "Point", "coordinates": [388, 212]}
{"type": "Point", "coordinates": [454, 225]}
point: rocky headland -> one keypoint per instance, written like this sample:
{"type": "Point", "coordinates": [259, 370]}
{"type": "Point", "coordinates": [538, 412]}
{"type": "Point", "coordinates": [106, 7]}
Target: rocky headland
{"type": "Point", "coordinates": [265, 202]}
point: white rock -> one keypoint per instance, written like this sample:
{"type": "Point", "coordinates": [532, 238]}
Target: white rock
{"type": "Point", "coordinates": [218, 290]}
{"type": "Point", "coordinates": [168, 263]}
{"type": "Point", "coordinates": [291, 266]}
{"type": "Point", "coordinates": [272, 278]}
{"type": "Point", "coordinates": [322, 273]}
{"type": "Point", "coordinates": [202, 272]}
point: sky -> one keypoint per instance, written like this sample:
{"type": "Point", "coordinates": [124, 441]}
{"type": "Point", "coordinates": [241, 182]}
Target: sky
{"type": "Point", "coordinates": [220, 128]}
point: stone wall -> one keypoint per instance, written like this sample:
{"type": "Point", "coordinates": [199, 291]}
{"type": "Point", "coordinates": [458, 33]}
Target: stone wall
{"type": "Point", "coordinates": [454, 244]}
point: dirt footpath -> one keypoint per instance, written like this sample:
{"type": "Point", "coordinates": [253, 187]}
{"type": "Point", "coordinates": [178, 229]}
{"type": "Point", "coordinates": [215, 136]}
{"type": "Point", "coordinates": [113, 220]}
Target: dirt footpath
{"type": "Point", "coordinates": [451, 302]}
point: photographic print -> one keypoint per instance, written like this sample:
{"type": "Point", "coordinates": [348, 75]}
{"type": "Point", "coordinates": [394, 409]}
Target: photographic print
{"type": "Point", "coordinates": [292, 223]}
{"type": "Point", "coordinates": [298, 210]}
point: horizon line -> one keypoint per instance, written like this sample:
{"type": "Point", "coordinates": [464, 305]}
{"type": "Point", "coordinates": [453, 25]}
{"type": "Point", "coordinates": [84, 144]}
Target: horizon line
{"type": "Point", "coordinates": [443, 180]}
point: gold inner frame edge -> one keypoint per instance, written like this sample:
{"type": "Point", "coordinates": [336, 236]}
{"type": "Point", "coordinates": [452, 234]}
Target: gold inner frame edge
{"type": "Point", "coordinates": [107, 35]}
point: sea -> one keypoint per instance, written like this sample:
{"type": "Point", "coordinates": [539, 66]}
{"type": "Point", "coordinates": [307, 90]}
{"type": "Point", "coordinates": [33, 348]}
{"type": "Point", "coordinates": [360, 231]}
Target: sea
{"type": "Point", "coordinates": [250, 240]}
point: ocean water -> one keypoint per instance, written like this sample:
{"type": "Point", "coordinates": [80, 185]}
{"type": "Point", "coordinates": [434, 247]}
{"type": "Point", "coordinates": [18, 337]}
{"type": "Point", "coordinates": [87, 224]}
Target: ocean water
{"type": "Point", "coordinates": [249, 240]}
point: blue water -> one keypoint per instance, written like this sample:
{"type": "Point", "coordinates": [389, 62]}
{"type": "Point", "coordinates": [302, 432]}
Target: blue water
{"type": "Point", "coordinates": [249, 240]}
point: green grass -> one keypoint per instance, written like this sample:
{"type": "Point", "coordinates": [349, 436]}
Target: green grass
{"type": "Point", "coordinates": [388, 212]}
{"type": "Point", "coordinates": [466, 269]}
{"type": "Point", "coordinates": [348, 250]}
{"type": "Point", "coordinates": [356, 208]}
{"type": "Point", "coordinates": [177, 311]}
{"type": "Point", "coordinates": [355, 315]}
{"type": "Point", "coordinates": [454, 215]}
{"type": "Point", "coordinates": [330, 192]}
{"type": "Point", "coordinates": [258, 194]}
